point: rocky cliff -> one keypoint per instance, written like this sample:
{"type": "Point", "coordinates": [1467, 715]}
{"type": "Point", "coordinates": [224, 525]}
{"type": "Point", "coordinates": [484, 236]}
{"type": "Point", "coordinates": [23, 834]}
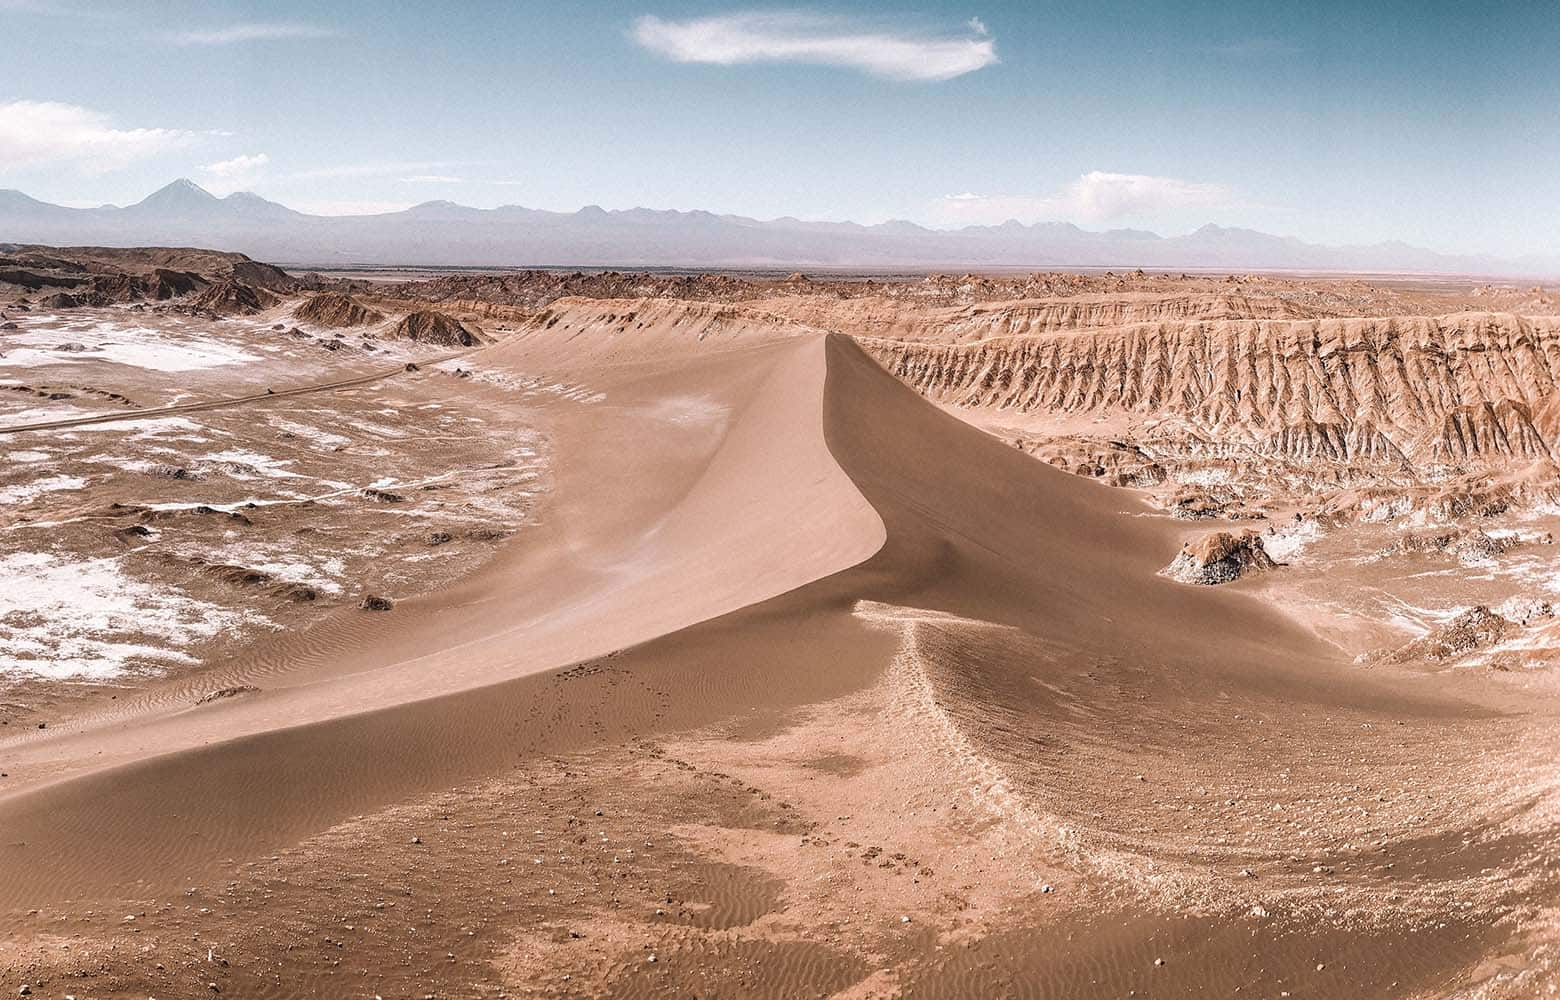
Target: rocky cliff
{"type": "Point", "coordinates": [1429, 391]}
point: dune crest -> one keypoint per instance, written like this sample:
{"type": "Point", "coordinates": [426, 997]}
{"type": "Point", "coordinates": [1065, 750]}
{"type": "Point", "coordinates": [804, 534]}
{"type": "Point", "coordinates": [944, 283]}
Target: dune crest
{"type": "Point", "coordinates": [785, 663]}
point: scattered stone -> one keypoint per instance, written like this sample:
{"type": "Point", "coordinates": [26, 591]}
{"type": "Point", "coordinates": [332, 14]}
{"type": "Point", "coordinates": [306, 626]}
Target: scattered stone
{"type": "Point", "coordinates": [1476, 628]}
{"type": "Point", "coordinates": [1524, 610]}
{"type": "Point", "coordinates": [300, 592]}
{"type": "Point", "coordinates": [1471, 547]}
{"type": "Point", "coordinates": [227, 692]}
{"type": "Point", "coordinates": [376, 603]}
{"type": "Point", "coordinates": [237, 576]}
{"type": "Point", "coordinates": [1220, 557]}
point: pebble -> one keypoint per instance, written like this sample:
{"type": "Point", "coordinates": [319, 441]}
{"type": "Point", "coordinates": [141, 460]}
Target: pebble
{"type": "Point", "coordinates": [1159, 961]}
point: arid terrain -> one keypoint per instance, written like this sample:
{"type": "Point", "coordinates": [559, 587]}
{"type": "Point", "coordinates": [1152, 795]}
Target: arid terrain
{"type": "Point", "coordinates": [551, 634]}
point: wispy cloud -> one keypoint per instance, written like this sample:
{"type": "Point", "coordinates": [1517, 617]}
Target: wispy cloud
{"type": "Point", "coordinates": [411, 170]}
{"type": "Point", "coordinates": [1095, 197]}
{"type": "Point", "coordinates": [50, 133]}
{"type": "Point", "coordinates": [227, 176]}
{"type": "Point", "coordinates": [238, 166]}
{"type": "Point", "coordinates": [52, 8]}
{"type": "Point", "coordinates": [252, 31]}
{"type": "Point", "coordinates": [796, 37]}
{"type": "Point", "coordinates": [432, 179]}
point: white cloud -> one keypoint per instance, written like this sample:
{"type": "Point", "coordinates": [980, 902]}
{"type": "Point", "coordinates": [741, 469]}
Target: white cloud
{"type": "Point", "coordinates": [52, 9]}
{"type": "Point", "coordinates": [433, 179]}
{"type": "Point", "coordinates": [238, 166]}
{"type": "Point", "coordinates": [341, 170]}
{"type": "Point", "coordinates": [1095, 197]}
{"type": "Point", "coordinates": [794, 37]}
{"type": "Point", "coordinates": [44, 133]}
{"type": "Point", "coordinates": [252, 31]}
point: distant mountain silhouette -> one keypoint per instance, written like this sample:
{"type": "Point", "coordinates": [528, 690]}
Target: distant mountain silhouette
{"type": "Point", "coordinates": [444, 233]}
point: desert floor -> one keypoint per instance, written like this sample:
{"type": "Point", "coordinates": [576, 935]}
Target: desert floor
{"type": "Point", "coordinates": [675, 648]}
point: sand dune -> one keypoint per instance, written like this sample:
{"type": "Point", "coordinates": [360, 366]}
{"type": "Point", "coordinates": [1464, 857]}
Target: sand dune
{"type": "Point", "coordinates": [700, 497]}
{"type": "Point", "coordinates": [757, 524]}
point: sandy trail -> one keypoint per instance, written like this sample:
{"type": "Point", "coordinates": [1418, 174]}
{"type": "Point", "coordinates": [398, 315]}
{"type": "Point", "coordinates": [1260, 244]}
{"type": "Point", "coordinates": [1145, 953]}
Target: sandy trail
{"type": "Point", "coordinates": [719, 526]}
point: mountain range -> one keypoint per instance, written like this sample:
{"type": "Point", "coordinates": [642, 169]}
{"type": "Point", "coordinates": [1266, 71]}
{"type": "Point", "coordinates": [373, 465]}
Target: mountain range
{"type": "Point", "coordinates": [442, 233]}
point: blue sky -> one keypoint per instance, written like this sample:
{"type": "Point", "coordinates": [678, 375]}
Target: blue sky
{"type": "Point", "coordinates": [1433, 123]}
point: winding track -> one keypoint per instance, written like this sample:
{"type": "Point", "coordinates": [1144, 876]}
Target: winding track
{"type": "Point", "coordinates": [224, 403]}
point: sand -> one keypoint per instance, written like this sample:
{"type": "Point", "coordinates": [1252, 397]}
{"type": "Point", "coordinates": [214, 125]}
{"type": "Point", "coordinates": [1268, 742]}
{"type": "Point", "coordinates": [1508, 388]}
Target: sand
{"type": "Point", "coordinates": [793, 682]}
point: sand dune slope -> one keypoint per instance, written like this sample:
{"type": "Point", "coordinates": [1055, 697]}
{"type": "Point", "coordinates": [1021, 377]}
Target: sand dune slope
{"type": "Point", "coordinates": [682, 500]}
{"type": "Point", "coordinates": [749, 526]}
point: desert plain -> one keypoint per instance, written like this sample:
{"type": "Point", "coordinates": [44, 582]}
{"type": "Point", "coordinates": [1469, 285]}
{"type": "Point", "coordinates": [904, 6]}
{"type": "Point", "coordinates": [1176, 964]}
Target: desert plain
{"type": "Point", "coordinates": [565, 634]}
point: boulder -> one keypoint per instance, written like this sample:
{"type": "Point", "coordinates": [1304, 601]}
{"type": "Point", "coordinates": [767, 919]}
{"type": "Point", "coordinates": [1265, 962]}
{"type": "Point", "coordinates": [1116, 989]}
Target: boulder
{"type": "Point", "coordinates": [1220, 557]}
